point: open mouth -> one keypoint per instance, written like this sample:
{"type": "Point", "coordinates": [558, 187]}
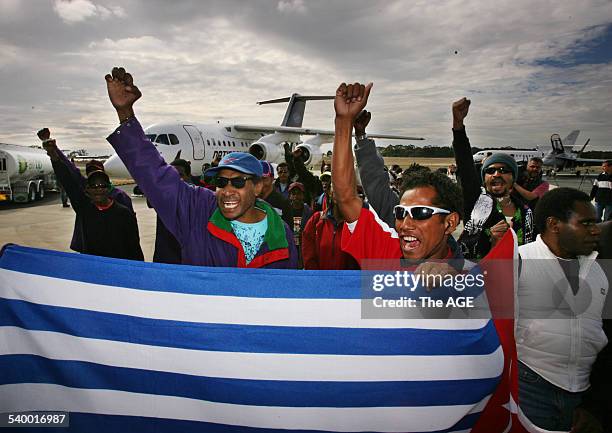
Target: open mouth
{"type": "Point", "coordinates": [410, 243]}
{"type": "Point", "coordinates": [230, 204]}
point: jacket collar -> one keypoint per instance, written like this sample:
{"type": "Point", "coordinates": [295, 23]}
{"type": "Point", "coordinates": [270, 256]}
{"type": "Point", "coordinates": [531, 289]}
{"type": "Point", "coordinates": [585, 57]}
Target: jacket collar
{"type": "Point", "coordinates": [275, 236]}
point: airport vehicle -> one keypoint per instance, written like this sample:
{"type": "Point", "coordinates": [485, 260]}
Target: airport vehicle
{"type": "Point", "coordinates": [200, 143]}
{"type": "Point", "coordinates": [25, 173]}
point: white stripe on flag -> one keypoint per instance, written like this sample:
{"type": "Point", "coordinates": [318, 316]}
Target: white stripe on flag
{"type": "Point", "coordinates": [336, 313]}
{"type": "Point", "coordinates": [259, 366]}
{"type": "Point", "coordinates": [29, 397]}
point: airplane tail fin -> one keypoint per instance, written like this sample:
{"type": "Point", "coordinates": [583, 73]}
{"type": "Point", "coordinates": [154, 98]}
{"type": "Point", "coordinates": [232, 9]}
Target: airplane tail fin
{"type": "Point", "coordinates": [295, 110]}
{"type": "Point", "coordinates": [570, 140]}
{"type": "Point", "coordinates": [583, 146]}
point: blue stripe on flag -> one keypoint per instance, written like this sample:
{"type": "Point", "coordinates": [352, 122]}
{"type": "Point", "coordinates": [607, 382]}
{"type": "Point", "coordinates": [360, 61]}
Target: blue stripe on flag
{"type": "Point", "coordinates": [248, 338]}
{"type": "Point", "coordinates": [78, 374]}
{"type": "Point", "coordinates": [92, 423]}
{"type": "Point", "coordinates": [255, 283]}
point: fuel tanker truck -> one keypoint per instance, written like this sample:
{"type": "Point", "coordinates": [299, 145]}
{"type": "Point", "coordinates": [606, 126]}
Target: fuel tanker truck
{"type": "Point", "coordinates": [25, 173]}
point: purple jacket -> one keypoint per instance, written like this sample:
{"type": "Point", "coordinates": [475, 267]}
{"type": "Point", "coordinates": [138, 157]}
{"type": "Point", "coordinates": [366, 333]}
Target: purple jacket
{"type": "Point", "coordinates": [191, 214]}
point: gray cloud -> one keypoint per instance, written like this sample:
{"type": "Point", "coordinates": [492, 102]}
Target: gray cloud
{"type": "Point", "coordinates": [204, 61]}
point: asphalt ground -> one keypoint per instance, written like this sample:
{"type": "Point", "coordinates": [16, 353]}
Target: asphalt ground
{"type": "Point", "coordinates": [46, 224]}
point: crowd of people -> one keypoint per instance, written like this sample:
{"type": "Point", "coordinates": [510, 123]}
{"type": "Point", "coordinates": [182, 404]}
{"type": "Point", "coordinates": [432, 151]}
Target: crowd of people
{"type": "Point", "coordinates": [243, 212]}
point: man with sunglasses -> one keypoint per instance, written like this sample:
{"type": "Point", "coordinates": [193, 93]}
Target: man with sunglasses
{"type": "Point", "coordinates": [228, 228]}
{"type": "Point", "coordinates": [106, 227]}
{"type": "Point", "coordinates": [50, 145]}
{"type": "Point", "coordinates": [491, 213]}
{"type": "Point", "coordinates": [429, 208]}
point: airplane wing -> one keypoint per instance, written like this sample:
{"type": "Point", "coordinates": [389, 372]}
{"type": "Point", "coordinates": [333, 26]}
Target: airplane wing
{"type": "Point", "coordinates": [580, 160]}
{"type": "Point", "coordinates": [310, 131]}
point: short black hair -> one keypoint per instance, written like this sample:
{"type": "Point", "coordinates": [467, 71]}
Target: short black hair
{"type": "Point", "coordinates": [536, 159]}
{"type": "Point", "coordinates": [608, 162]}
{"type": "Point", "coordinates": [182, 163]}
{"type": "Point", "coordinates": [282, 164]}
{"type": "Point", "coordinates": [558, 203]}
{"type": "Point", "coordinates": [448, 194]}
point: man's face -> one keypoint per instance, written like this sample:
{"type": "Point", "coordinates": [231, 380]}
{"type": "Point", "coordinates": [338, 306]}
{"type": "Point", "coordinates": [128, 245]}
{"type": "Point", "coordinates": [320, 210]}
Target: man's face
{"type": "Point", "coordinates": [326, 184]}
{"type": "Point", "coordinates": [296, 197]}
{"type": "Point", "coordinates": [534, 168]}
{"type": "Point", "coordinates": [498, 184]}
{"type": "Point", "coordinates": [237, 203]}
{"type": "Point", "coordinates": [424, 239]}
{"type": "Point", "coordinates": [98, 190]}
{"type": "Point", "coordinates": [452, 168]}
{"type": "Point", "coordinates": [283, 174]}
{"type": "Point", "coordinates": [606, 168]}
{"type": "Point", "coordinates": [580, 234]}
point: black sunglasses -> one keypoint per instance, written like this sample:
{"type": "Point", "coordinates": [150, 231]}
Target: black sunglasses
{"type": "Point", "coordinates": [98, 185]}
{"type": "Point", "coordinates": [502, 170]}
{"type": "Point", "coordinates": [417, 212]}
{"type": "Point", "coordinates": [237, 182]}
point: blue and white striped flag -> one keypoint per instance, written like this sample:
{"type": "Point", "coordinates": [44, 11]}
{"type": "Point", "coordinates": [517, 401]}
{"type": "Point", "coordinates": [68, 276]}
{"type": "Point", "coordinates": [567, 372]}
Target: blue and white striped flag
{"type": "Point", "coordinates": [132, 346]}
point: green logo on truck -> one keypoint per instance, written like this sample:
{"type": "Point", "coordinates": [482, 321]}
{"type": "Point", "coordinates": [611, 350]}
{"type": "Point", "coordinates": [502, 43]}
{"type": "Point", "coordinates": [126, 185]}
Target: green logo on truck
{"type": "Point", "coordinates": [23, 165]}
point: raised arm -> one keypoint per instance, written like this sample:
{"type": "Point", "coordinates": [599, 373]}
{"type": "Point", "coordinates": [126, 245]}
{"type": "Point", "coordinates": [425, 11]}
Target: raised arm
{"type": "Point", "coordinates": [374, 177]}
{"type": "Point", "coordinates": [72, 185]}
{"type": "Point", "coordinates": [179, 205]}
{"type": "Point", "coordinates": [44, 134]}
{"type": "Point", "coordinates": [350, 100]}
{"type": "Point", "coordinates": [466, 171]}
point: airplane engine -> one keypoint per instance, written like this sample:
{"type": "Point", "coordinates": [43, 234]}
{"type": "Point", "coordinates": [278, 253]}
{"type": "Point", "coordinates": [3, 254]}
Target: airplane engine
{"type": "Point", "coordinates": [271, 152]}
{"type": "Point", "coordinates": [312, 154]}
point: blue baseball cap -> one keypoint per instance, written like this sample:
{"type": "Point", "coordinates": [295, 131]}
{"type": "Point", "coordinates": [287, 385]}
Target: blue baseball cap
{"type": "Point", "coordinates": [238, 161]}
{"type": "Point", "coordinates": [267, 169]}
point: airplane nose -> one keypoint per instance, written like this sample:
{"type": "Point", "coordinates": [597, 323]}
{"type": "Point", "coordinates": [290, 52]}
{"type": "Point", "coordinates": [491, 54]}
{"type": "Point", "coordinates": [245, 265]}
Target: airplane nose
{"type": "Point", "coordinates": [114, 167]}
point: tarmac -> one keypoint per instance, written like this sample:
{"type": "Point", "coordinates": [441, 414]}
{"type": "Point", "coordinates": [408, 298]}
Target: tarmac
{"type": "Point", "coordinates": [46, 224]}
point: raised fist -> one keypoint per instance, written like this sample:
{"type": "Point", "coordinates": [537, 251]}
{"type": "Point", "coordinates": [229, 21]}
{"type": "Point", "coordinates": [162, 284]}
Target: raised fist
{"type": "Point", "coordinates": [351, 99]}
{"type": "Point", "coordinates": [362, 121]}
{"type": "Point", "coordinates": [122, 91]}
{"type": "Point", "coordinates": [44, 134]}
{"type": "Point", "coordinates": [460, 111]}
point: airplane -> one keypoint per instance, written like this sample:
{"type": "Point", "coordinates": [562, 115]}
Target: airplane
{"type": "Point", "coordinates": [201, 143]}
{"type": "Point", "coordinates": [564, 156]}
{"type": "Point", "coordinates": [518, 155]}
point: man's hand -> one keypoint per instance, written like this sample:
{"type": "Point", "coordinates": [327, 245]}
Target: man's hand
{"type": "Point", "coordinates": [297, 156]}
{"type": "Point", "coordinates": [361, 122]}
{"type": "Point", "coordinates": [585, 422]}
{"type": "Point", "coordinates": [498, 231]}
{"type": "Point", "coordinates": [44, 134]}
{"type": "Point", "coordinates": [351, 99]}
{"type": "Point", "coordinates": [460, 111]}
{"type": "Point", "coordinates": [122, 92]}
{"type": "Point", "coordinates": [51, 147]}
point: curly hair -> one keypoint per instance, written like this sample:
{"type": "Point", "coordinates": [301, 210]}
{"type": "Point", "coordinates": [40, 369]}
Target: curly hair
{"type": "Point", "coordinates": [448, 194]}
{"type": "Point", "coordinates": [558, 203]}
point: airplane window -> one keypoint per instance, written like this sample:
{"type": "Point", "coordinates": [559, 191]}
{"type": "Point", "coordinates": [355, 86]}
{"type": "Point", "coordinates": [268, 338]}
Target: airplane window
{"type": "Point", "coordinates": [224, 142]}
{"type": "Point", "coordinates": [162, 139]}
{"type": "Point", "coordinates": [234, 143]}
{"type": "Point", "coordinates": [151, 137]}
{"type": "Point", "coordinates": [173, 139]}
{"type": "Point", "coordinates": [207, 142]}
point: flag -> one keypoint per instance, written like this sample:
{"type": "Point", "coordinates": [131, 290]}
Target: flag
{"type": "Point", "coordinates": [131, 346]}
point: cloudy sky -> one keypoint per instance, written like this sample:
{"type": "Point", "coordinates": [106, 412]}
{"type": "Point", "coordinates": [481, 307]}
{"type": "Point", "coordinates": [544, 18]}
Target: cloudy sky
{"type": "Point", "coordinates": [531, 68]}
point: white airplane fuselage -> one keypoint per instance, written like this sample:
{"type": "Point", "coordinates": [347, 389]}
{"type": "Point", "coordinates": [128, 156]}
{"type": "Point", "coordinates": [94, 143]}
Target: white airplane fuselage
{"type": "Point", "coordinates": [197, 143]}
